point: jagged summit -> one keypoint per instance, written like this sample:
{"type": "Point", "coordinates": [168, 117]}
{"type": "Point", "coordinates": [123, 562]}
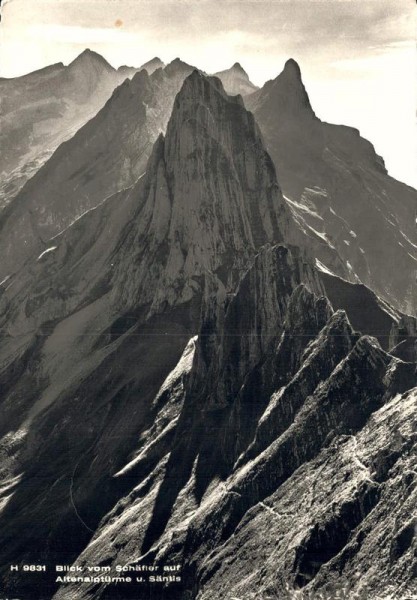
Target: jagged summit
{"type": "Point", "coordinates": [236, 80]}
{"type": "Point", "coordinates": [90, 57]}
{"type": "Point", "coordinates": [292, 66]}
{"type": "Point", "coordinates": [140, 78]}
{"type": "Point", "coordinates": [287, 92]}
{"type": "Point", "coordinates": [199, 85]}
{"type": "Point", "coordinates": [136, 89]}
{"type": "Point", "coordinates": [238, 67]}
{"type": "Point", "coordinates": [205, 219]}
{"type": "Point", "coordinates": [153, 64]}
{"type": "Point", "coordinates": [178, 66]}
{"type": "Point", "coordinates": [203, 103]}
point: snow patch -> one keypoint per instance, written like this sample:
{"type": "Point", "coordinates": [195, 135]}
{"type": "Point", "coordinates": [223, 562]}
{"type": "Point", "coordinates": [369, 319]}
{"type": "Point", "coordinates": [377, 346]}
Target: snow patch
{"type": "Point", "coordinates": [321, 267]}
{"type": "Point", "coordinates": [302, 207]}
{"type": "Point", "coordinates": [408, 239]}
{"type": "Point", "coordinates": [51, 249]}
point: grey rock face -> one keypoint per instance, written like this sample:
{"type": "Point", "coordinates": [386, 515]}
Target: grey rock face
{"type": "Point", "coordinates": [210, 199]}
{"type": "Point", "coordinates": [75, 313]}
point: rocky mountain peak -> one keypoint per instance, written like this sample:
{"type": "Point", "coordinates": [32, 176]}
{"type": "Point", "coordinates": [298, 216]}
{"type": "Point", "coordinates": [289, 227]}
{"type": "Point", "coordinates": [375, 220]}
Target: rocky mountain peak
{"type": "Point", "coordinates": [343, 191]}
{"type": "Point", "coordinates": [153, 64]}
{"type": "Point", "coordinates": [196, 111]}
{"type": "Point", "coordinates": [177, 66]}
{"type": "Point", "coordinates": [289, 92]}
{"type": "Point", "coordinates": [292, 68]}
{"type": "Point", "coordinates": [285, 95]}
{"type": "Point", "coordinates": [211, 195]}
{"type": "Point", "coordinates": [136, 86]}
{"type": "Point", "coordinates": [88, 58]}
{"type": "Point", "coordinates": [236, 80]}
{"type": "Point", "coordinates": [238, 67]}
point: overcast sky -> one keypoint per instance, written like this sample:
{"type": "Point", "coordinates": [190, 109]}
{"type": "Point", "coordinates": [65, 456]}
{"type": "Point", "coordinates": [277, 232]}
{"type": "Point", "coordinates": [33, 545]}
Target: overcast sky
{"type": "Point", "coordinates": [357, 57]}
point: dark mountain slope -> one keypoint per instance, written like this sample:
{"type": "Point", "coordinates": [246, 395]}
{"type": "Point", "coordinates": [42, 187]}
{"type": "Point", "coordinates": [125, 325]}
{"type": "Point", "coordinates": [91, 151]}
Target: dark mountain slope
{"type": "Point", "coordinates": [338, 189]}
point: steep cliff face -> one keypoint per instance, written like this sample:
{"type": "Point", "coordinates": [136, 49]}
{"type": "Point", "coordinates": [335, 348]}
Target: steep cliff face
{"type": "Point", "coordinates": [210, 199]}
{"type": "Point", "coordinates": [236, 81]}
{"type": "Point", "coordinates": [339, 191]}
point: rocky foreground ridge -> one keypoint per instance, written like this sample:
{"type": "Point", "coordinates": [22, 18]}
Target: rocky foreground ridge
{"type": "Point", "coordinates": [182, 385]}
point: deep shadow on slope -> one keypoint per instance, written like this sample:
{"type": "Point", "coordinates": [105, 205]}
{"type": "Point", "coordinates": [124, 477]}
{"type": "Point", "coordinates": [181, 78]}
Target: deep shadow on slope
{"type": "Point", "coordinates": [88, 434]}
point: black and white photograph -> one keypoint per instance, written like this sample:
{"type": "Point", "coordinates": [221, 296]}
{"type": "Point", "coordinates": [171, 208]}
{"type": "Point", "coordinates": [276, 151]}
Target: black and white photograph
{"type": "Point", "coordinates": [208, 298]}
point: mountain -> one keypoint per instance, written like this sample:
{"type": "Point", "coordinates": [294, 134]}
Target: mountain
{"type": "Point", "coordinates": [339, 191]}
{"type": "Point", "coordinates": [178, 390]}
{"type": "Point", "coordinates": [106, 155]}
{"type": "Point", "coordinates": [219, 232]}
{"type": "Point", "coordinates": [41, 110]}
{"type": "Point", "coordinates": [150, 66]}
{"type": "Point", "coordinates": [129, 269]}
{"type": "Point", "coordinates": [153, 64]}
{"type": "Point", "coordinates": [236, 81]}
{"type": "Point", "coordinates": [178, 68]}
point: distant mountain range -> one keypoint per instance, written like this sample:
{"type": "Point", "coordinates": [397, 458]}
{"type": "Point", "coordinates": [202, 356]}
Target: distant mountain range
{"type": "Point", "coordinates": [208, 356]}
